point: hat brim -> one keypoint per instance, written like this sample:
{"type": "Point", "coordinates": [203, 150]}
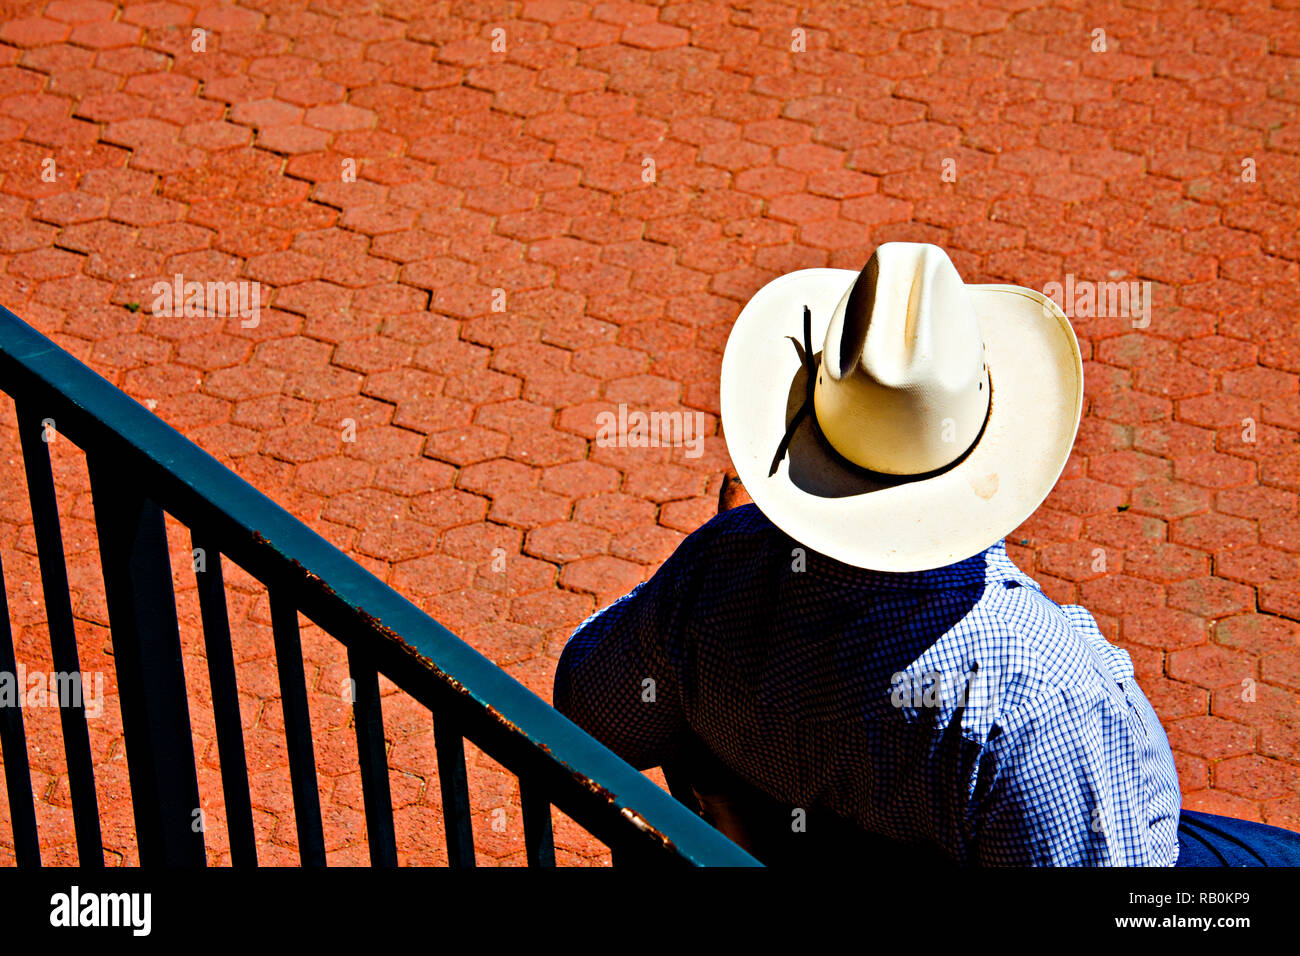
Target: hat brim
{"type": "Point", "coordinates": [884, 522]}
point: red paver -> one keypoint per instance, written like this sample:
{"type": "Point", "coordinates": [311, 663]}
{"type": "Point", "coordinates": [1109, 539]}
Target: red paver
{"type": "Point", "coordinates": [469, 251]}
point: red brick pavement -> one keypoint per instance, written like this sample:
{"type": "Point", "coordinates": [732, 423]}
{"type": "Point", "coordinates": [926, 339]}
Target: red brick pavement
{"type": "Point", "coordinates": [524, 169]}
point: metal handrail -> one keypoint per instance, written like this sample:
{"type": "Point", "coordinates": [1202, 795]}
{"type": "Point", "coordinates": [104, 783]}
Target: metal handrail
{"type": "Point", "coordinates": [140, 467]}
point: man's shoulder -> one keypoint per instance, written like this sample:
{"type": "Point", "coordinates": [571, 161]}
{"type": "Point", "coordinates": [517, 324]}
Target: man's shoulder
{"type": "Point", "coordinates": [743, 529]}
{"type": "Point", "coordinates": [743, 520]}
{"type": "Point", "coordinates": [1063, 638]}
{"type": "Point", "coordinates": [1040, 649]}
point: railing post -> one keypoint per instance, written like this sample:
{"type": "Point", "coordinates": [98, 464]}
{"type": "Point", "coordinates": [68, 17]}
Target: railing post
{"type": "Point", "coordinates": [454, 783]}
{"type": "Point", "coordinates": [225, 701]}
{"type": "Point", "coordinates": [13, 750]}
{"type": "Point", "coordinates": [372, 752]}
{"type": "Point", "coordinates": [150, 670]}
{"type": "Point", "coordinates": [297, 729]}
{"type": "Point", "coordinates": [34, 438]}
{"type": "Point", "coordinates": [539, 838]}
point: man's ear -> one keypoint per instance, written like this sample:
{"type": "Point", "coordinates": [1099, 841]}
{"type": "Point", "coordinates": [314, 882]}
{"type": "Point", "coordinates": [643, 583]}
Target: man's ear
{"type": "Point", "coordinates": [732, 493]}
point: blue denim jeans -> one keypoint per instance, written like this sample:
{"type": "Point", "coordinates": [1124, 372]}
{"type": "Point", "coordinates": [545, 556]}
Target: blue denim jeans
{"type": "Point", "coordinates": [1208, 840]}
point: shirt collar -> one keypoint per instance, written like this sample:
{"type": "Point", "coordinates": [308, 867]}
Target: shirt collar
{"type": "Point", "coordinates": [991, 565]}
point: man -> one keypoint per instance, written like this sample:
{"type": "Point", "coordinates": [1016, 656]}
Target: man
{"type": "Point", "coordinates": [851, 664]}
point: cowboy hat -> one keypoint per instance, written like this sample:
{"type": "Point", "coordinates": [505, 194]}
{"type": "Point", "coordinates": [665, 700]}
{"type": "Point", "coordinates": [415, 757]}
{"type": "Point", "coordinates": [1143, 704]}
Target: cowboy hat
{"type": "Point", "coordinates": [934, 420]}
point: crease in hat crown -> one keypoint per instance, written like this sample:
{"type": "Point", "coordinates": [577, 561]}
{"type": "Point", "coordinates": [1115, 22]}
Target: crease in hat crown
{"type": "Point", "coordinates": [903, 387]}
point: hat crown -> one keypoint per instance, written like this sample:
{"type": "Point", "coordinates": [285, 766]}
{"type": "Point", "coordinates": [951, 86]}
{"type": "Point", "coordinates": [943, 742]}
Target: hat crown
{"type": "Point", "coordinates": [903, 387]}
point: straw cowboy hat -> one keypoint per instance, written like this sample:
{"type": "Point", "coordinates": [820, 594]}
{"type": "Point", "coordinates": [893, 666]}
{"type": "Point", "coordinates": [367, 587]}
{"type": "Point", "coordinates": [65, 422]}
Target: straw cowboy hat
{"type": "Point", "coordinates": [934, 419]}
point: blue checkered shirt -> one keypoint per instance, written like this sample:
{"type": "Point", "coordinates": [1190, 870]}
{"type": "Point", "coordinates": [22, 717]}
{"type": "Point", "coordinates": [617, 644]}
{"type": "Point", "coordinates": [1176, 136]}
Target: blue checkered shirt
{"type": "Point", "coordinates": [958, 709]}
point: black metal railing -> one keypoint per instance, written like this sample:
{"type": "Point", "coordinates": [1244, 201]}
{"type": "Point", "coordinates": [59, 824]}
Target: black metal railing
{"type": "Point", "coordinates": [140, 469]}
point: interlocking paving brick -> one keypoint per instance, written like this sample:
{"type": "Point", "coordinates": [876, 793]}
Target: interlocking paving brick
{"type": "Point", "coordinates": [469, 254]}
